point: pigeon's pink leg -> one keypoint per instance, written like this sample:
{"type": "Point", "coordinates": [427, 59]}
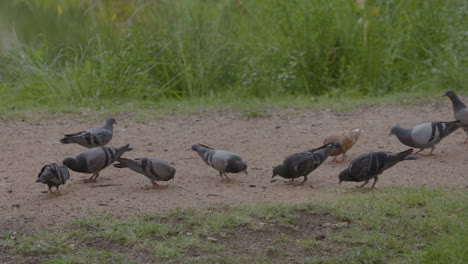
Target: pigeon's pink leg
{"type": "Point", "coordinates": [92, 178]}
{"type": "Point", "coordinates": [226, 177]}
{"type": "Point", "coordinates": [343, 159]}
{"type": "Point", "coordinates": [416, 153]}
{"type": "Point", "coordinates": [430, 153]}
{"type": "Point", "coordinates": [290, 181]}
{"type": "Point", "coordinates": [360, 186]}
{"type": "Point", "coordinates": [334, 159]}
{"type": "Point", "coordinates": [158, 186]}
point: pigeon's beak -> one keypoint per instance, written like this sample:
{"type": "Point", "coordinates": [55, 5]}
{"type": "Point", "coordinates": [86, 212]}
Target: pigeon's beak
{"type": "Point", "coordinates": [340, 182]}
{"type": "Point", "coordinates": [37, 180]}
{"type": "Point", "coordinates": [273, 180]}
{"type": "Point", "coordinates": [444, 95]}
{"type": "Point", "coordinates": [390, 134]}
{"type": "Point", "coordinates": [246, 173]}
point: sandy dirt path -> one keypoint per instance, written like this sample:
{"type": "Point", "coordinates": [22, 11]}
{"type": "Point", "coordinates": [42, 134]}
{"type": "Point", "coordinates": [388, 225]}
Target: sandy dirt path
{"type": "Point", "coordinates": [262, 142]}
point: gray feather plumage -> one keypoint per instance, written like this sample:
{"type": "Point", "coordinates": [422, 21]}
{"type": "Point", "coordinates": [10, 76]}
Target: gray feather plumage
{"type": "Point", "coordinates": [425, 135]}
{"type": "Point", "coordinates": [371, 165]}
{"type": "Point", "coordinates": [460, 111]}
{"type": "Point", "coordinates": [303, 163]}
{"type": "Point", "coordinates": [223, 161]}
{"type": "Point", "coordinates": [93, 137]}
{"type": "Point", "coordinates": [94, 160]}
{"type": "Point", "coordinates": [53, 175]}
{"type": "Point", "coordinates": [153, 168]}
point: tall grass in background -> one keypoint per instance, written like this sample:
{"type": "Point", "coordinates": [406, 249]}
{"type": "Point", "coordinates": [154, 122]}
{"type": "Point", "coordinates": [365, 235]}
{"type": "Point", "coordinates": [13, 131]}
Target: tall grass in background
{"type": "Point", "coordinates": [84, 51]}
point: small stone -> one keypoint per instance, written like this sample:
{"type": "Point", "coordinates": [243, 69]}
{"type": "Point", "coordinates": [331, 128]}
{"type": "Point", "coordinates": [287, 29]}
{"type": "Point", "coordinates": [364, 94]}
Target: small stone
{"type": "Point", "coordinates": [212, 239]}
{"type": "Point", "coordinates": [252, 186]}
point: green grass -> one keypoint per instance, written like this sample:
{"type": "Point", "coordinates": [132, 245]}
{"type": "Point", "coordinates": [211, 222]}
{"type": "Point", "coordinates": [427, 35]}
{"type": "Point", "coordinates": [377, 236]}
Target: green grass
{"type": "Point", "coordinates": [386, 226]}
{"type": "Point", "coordinates": [88, 53]}
{"type": "Point", "coordinates": [241, 108]}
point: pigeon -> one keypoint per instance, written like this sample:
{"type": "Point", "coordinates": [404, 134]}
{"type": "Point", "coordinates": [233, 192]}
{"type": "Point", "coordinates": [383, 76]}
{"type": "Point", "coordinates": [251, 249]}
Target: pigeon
{"type": "Point", "coordinates": [93, 137]}
{"type": "Point", "coordinates": [53, 174]}
{"type": "Point", "coordinates": [371, 165]}
{"type": "Point", "coordinates": [425, 135]}
{"type": "Point", "coordinates": [153, 168]}
{"type": "Point", "coordinates": [94, 160]}
{"type": "Point", "coordinates": [222, 161]}
{"type": "Point", "coordinates": [347, 140]}
{"type": "Point", "coordinates": [460, 111]}
{"type": "Point", "coordinates": [303, 163]}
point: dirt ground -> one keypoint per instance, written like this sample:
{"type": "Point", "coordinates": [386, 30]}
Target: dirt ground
{"type": "Point", "coordinates": [262, 142]}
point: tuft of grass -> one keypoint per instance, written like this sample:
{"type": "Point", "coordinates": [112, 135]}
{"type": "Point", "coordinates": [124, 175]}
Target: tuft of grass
{"type": "Point", "coordinates": [411, 225]}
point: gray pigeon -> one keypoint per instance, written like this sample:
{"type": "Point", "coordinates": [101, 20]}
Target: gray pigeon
{"type": "Point", "coordinates": [425, 135]}
{"type": "Point", "coordinates": [53, 174]}
{"type": "Point", "coordinates": [222, 161]}
{"type": "Point", "coordinates": [153, 168]}
{"type": "Point", "coordinates": [93, 137]}
{"type": "Point", "coordinates": [460, 111]}
{"type": "Point", "coordinates": [94, 160]}
{"type": "Point", "coordinates": [371, 165]}
{"type": "Point", "coordinates": [303, 163]}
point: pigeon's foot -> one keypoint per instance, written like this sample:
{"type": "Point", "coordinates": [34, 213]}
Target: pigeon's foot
{"type": "Point", "coordinates": [290, 181]}
{"type": "Point", "coordinates": [226, 178]}
{"type": "Point", "coordinates": [427, 155]}
{"type": "Point", "coordinates": [158, 186]}
{"type": "Point", "coordinates": [89, 180]}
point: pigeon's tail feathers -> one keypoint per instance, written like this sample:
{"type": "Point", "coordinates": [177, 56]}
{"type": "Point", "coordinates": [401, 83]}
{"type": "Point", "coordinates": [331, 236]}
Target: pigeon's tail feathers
{"type": "Point", "coordinates": [66, 140]}
{"type": "Point", "coordinates": [406, 152]}
{"type": "Point", "coordinates": [205, 146]}
{"type": "Point", "coordinates": [200, 147]}
{"type": "Point", "coordinates": [404, 155]}
{"type": "Point", "coordinates": [127, 147]}
{"type": "Point", "coordinates": [121, 163]}
{"type": "Point", "coordinates": [450, 127]}
{"type": "Point", "coordinates": [336, 143]}
{"type": "Point", "coordinates": [120, 151]}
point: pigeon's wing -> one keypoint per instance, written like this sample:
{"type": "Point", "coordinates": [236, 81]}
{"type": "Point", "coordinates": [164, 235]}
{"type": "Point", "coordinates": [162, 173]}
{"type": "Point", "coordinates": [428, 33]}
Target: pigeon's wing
{"type": "Point", "coordinates": [97, 158]}
{"type": "Point", "coordinates": [301, 164]}
{"type": "Point", "coordinates": [368, 165]}
{"type": "Point", "coordinates": [76, 134]}
{"type": "Point", "coordinates": [162, 169]}
{"type": "Point", "coordinates": [54, 174]}
{"type": "Point", "coordinates": [47, 174]}
{"type": "Point", "coordinates": [333, 138]}
{"type": "Point", "coordinates": [62, 172]}
{"type": "Point", "coordinates": [462, 115]}
{"type": "Point", "coordinates": [220, 159]}
{"type": "Point", "coordinates": [427, 133]}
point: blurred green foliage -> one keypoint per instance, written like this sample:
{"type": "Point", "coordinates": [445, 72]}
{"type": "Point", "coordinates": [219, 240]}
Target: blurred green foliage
{"type": "Point", "coordinates": [84, 51]}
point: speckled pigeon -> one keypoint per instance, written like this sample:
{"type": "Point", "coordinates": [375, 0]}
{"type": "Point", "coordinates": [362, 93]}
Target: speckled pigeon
{"type": "Point", "coordinates": [93, 137]}
{"type": "Point", "coordinates": [53, 175]}
{"type": "Point", "coordinates": [460, 111]}
{"type": "Point", "coordinates": [153, 168]}
{"type": "Point", "coordinates": [425, 135]}
{"type": "Point", "coordinates": [222, 161]}
{"type": "Point", "coordinates": [94, 160]}
{"type": "Point", "coordinates": [303, 163]}
{"type": "Point", "coordinates": [371, 165]}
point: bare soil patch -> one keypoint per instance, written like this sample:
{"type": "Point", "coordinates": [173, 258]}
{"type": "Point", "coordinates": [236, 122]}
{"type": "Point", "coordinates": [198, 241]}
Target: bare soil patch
{"type": "Point", "coordinates": [263, 142]}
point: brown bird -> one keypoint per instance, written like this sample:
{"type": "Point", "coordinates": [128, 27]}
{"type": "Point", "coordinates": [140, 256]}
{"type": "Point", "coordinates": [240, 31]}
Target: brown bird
{"type": "Point", "coordinates": [347, 140]}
